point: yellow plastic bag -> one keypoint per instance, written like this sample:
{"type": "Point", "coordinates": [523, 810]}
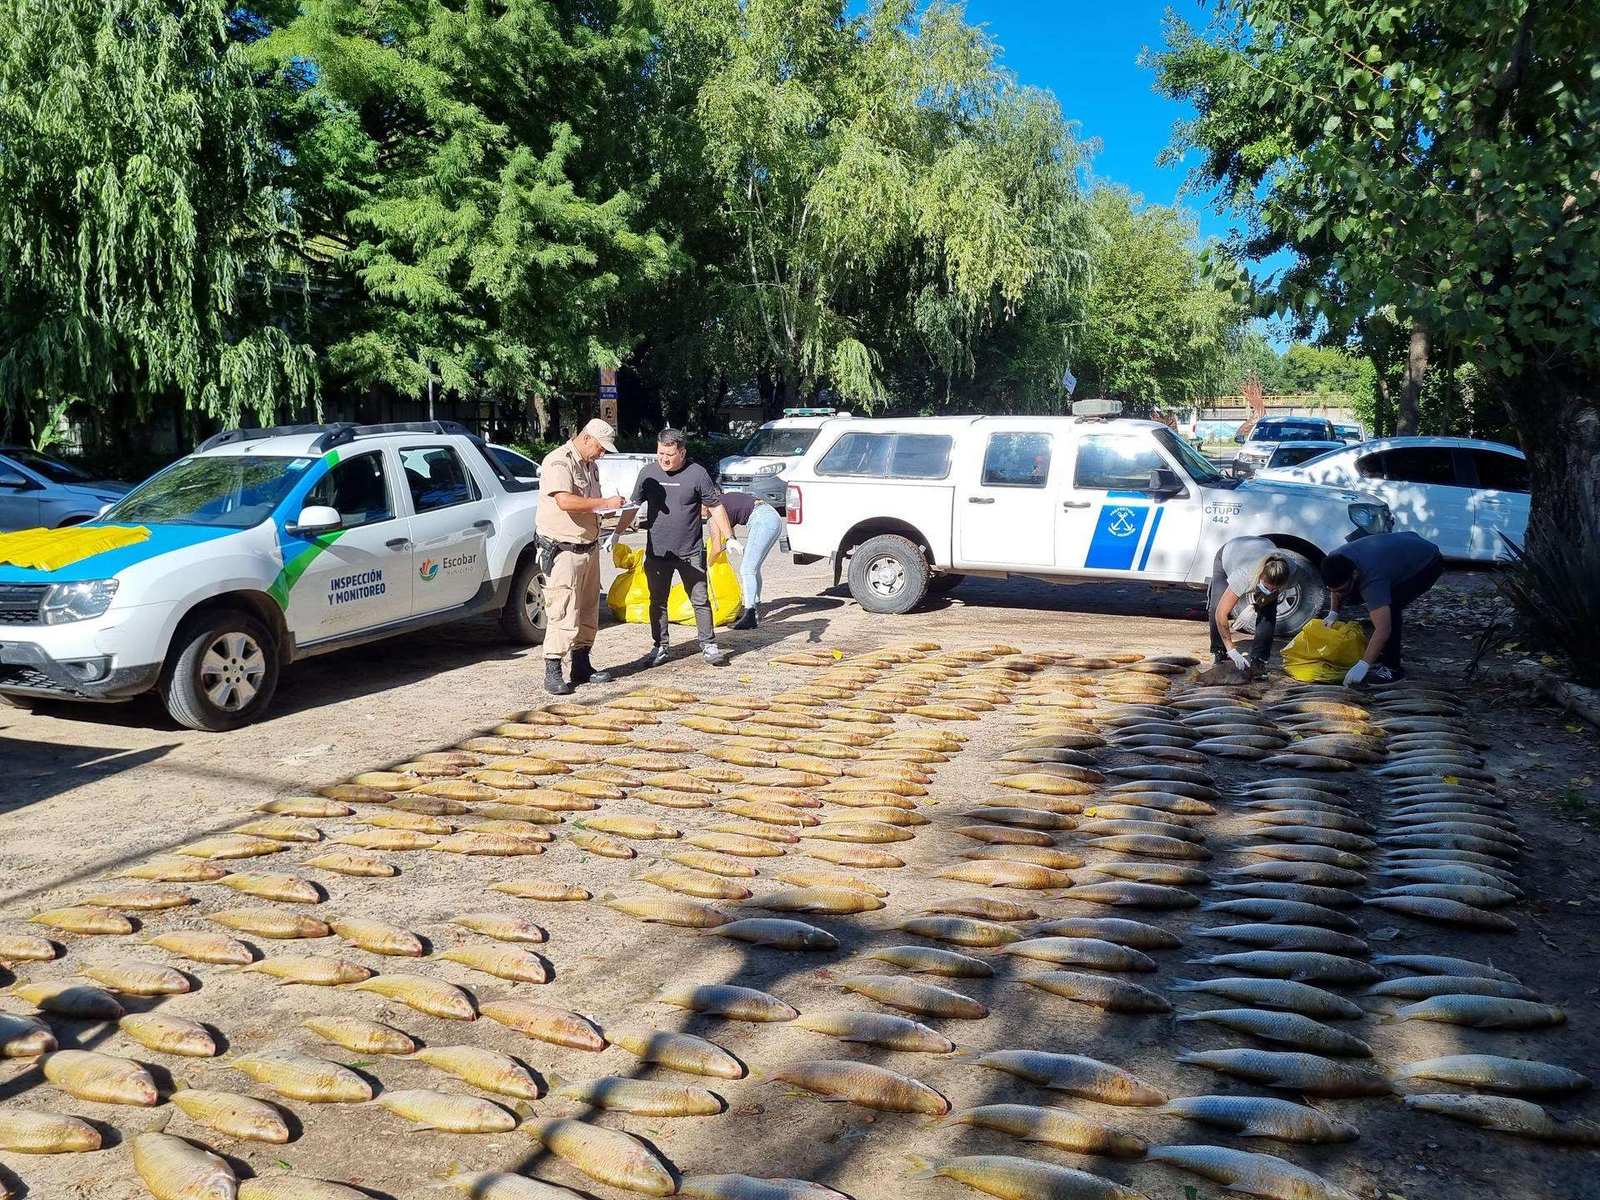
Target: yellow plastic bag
{"type": "Point", "coordinates": [629, 594]}
{"type": "Point", "coordinates": [1322, 654]}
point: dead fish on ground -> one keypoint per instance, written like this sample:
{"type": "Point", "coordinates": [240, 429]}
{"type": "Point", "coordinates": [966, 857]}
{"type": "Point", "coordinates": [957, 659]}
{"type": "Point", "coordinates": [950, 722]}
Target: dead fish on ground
{"type": "Point", "coordinates": [1286, 1028]}
{"type": "Point", "coordinates": [1262, 1116]}
{"type": "Point", "coordinates": [605, 1155]}
{"type": "Point", "coordinates": [89, 1075]}
{"type": "Point", "coordinates": [428, 1109]}
{"type": "Point", "coordinates": [305, 1077]}
{"type": "Point", "coordinates": [864, 1084]}
{"type": "Point", "coordinates": [1250, 1174]}
{"type": "Point", "coordinates": [169, 1035]}
{"type": "Point", "coordinates": [1313, 1074]}
{"type": "Point", "coordinates": [878, 1029]}
{"type": "Point", "coordinates": [1014, 1178]}
{"type": "Point", "coordinates": [173, 1169]}
{"type": "Point", "coordinates": [1054, 1127]}
{"type": "Point", "coordinates": [1483, 1012]}
{"type": "Point", "coordinates": [23, 1131]}
{"type": "Point", "coordinates": [1505, 1114]}
{"type": "Point", "coordinates": [1099, 991]}
{"type": "Point", "coordinates": [914, 996]}
{"type": "Point", "coordinates": [237, 1116]}
{"type": "Point", "coordinates": [1283, 994]}
{"type": "Point", "coordinates": [362, 1036]}
{"type": "Point", "coordinates": [1076, 1075]}
{"type": "Point", "coordinates": [641, 1097]}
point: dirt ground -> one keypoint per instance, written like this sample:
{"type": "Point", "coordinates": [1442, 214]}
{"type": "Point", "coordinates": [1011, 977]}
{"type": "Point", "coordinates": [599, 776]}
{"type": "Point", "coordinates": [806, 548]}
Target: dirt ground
{"type": "Point", "coordinates": [84, 792]}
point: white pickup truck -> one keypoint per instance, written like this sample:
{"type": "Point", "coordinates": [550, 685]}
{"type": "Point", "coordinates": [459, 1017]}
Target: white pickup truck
{"type": "Point", "coordinates": [268, 545]}
{"type": "Point", "coordinates": [915, 505]}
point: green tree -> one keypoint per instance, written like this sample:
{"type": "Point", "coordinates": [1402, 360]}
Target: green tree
{"type": "Point", "coordinates": [142, 240]}
{"type": "Point", "coordinates": [467, 177]}
{"type": "Point", "coordinates": [883, 197]}
{"type": "Point", "coordinates": [1161, 321]}
{"type": "Point", "coordinates": [1435, 162]}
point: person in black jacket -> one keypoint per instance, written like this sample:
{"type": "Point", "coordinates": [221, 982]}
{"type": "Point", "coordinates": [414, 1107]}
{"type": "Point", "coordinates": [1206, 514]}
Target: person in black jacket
{"type": "Point", "coordinates": [672, 491]}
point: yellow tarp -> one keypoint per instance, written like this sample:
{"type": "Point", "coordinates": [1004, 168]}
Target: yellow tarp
{"type": "Point", "coordinates": [629, 594]}
{"type": "Point", "coordinates": [50, 549]}
{"type": "Point", "coordinates": [1322, 653]}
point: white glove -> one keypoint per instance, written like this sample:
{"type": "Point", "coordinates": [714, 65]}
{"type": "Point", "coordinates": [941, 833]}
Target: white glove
{"type": "Point", "coordinates": [1356, 674]}
{"type": "Point", "coordinates": [1332, 618]}
{"type": "Point", "coordinates": [733, 544]}
{"type": "Point", "coordinates": [1239, 660]}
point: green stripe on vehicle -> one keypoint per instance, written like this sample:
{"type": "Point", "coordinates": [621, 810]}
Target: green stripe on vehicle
{"type": "Point", "coordinates": [295, 567]}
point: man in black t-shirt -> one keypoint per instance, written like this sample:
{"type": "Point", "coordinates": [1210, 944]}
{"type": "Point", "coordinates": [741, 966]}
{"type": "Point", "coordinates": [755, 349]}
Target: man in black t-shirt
{"type": "Point", "coordinates": [672, 491]}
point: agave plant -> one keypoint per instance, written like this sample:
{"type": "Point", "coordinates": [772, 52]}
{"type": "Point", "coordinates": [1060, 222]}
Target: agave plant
{"type": "Point", "coordinates": [1556, 591]}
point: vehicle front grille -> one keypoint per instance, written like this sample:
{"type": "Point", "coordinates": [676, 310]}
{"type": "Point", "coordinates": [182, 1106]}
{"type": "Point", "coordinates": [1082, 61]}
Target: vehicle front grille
{"type": "Point", "coordinates": [19, 602]}
{"type": "Point", "coordinates": [28, 677]}
{"type": "Point", "coordinates": [735, 478]}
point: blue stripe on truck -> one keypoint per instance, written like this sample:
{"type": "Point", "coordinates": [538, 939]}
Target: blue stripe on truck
{"type": "Point", "coordinates": [1116, 536]}
{"type": "Point", "coordinates": [1150, 542]}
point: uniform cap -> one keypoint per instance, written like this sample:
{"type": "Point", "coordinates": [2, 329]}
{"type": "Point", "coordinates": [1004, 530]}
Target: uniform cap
{"type": "Point", "coordinates": [602, 432]}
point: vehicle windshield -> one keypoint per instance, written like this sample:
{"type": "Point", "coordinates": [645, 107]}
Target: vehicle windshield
{"type": "Point", "coordinates": [231, 491]}
{"type": "Point", "coordinates": [52, 469]}
{"type": "Point", "coordinates": [1348, 431]}
{"type": "Point", "coordinates": [780, 442]}
{"type": "Point", "coordinates": [1282, 431]}
{"type": "Point", "coordinates": [1200, 468]}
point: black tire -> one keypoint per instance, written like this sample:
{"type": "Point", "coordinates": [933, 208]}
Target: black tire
{"type": "Point", "coordinates": [522, 619]}
{"type": "Point", "coordinates": [943, 583]}
{"type": "Point", "coordinates": [888, 574]}
{"type": "Point", "coordinates": [1306, 591]}
{"type": "Point", "coordinates": [227, 689]}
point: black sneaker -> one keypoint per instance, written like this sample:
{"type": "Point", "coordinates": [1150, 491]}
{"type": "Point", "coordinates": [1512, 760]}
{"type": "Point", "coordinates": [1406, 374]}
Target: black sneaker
{"type": "Point", "coordinates": [659, 656]}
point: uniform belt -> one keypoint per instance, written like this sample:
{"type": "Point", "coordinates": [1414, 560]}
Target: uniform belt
{"type": "Point", "coordinates": [574, 547]}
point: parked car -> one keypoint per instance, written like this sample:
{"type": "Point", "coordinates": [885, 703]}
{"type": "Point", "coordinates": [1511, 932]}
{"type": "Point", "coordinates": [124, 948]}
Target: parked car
{"type": "Point", "coordinates": [905, 507]}
{"type": "Point", "coordinates": [1349, 433]}
{"type": "Point", "coordinates": [269, 545]}
{"type": "Point", "coordinates": [1267, 434]}
{"type": "Point", "coordinates": [759, 468]}
{"type": "Point", "coordinates": [1459, 493]}
{"type": "Point", "coordinates": [1291, 454]}
{"type": "Point", "coordinates": [39, 490]}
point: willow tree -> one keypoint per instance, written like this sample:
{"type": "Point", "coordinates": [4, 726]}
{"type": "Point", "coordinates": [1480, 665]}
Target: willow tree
{"type": "Point", "coordinates": [886, 195]}
{"type": "Point", "coordinates": [141, 236]}
{"type": "Point", "coordinates": [1434, 161]}
{"type": "Point", "coordinates": [469, 173]}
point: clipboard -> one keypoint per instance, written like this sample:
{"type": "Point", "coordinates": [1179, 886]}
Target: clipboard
{"type": "Point", "coordinates": [617, 512]}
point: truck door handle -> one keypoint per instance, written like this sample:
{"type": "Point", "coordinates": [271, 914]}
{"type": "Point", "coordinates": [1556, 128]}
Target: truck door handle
{"type": "Point", "coordinates": [398, 543]}
{"type": "Point", "coordinates": [486, 526]}
{"type": "Point", "coordinates": [1074, 504]}
{"type": "Point", "coordinates": [980, 499]}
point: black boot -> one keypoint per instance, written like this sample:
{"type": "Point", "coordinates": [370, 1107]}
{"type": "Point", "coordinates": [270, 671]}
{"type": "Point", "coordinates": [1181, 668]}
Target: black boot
{"type": "Point", "coordinates": [553, 683]}
{"type": "Point", "coordinates": [747, 620]}
{"type": "Point", "coordinates": [583, 670]}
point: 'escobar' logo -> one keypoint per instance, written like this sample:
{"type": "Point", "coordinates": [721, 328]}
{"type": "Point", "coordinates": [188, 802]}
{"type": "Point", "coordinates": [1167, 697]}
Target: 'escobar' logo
{"type": "Point", "coordinates": [429, 570]}
{"type": "Point", "coordinates": [343, 589]}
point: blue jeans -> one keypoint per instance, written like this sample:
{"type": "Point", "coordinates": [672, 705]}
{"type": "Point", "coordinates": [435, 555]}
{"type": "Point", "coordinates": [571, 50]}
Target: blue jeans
{"type": "Point", "coordinates": [761, 535]}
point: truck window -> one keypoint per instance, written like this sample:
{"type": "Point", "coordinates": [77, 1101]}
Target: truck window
{"type": "Point", "coordinates": [1016, 460]}
{"type": "Point", "coordinates": [437, 478]}
{"type": "Point", "coordinates": [1501, 472]}
{"type": "Point", "coordinates": [1116, 463]}
{"type": "Point", "coordinates": [357, 489]}
{"type": "Point", "coordinates": [888, 456]}
{"type": "Point", "coordinates": [920, 456]}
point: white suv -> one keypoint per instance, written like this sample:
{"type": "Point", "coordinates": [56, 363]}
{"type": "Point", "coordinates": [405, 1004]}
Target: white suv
{"type": "Point", "coordinates": [268, 545]}
{"type": "Point", "coordinates": [760, 466]}
{"type": "Point", "coordinates": [914, 505]}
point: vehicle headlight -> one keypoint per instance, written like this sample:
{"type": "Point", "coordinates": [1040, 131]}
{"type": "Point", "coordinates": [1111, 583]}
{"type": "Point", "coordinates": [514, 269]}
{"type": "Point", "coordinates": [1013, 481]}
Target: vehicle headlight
{"type": "Point", "coordinates": [1371, 518]}
{"type": "Point", "coordinates": [771, 469]}
{"type": "Point", "coordinates": [67, 602]}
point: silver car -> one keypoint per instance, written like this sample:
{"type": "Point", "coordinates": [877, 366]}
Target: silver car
{"type": "Point", "coordinates": [38, 490]}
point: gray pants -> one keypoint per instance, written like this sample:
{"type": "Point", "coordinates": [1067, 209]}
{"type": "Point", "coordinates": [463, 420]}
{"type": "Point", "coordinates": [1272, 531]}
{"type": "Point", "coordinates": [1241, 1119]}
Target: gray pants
{"type": "Point", "coordinates": [658, 570]}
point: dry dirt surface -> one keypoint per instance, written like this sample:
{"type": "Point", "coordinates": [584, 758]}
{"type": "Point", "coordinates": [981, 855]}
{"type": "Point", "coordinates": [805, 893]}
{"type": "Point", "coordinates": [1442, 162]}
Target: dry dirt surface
{"type": "Point", "coordinates": [88, 794]}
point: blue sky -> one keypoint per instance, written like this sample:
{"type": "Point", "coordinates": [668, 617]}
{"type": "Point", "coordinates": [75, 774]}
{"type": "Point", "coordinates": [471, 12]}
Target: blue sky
{"type": "Point", "coordinates": [1086, 52]}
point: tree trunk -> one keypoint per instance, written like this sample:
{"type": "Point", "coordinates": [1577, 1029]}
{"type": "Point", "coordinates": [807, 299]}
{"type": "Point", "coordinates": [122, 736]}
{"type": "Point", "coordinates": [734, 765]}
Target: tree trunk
{"type": "Point", "coordinates": [1559, 418]}
{"type": "Point", "coordinates": [1382, 402]}
{"type": "Point", "coordinates": [1416, 371]}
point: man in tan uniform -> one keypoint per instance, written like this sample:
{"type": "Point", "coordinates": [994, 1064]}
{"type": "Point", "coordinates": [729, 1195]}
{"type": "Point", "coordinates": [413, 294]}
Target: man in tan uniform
{"type": "Point", "coordinates": [568, 525]}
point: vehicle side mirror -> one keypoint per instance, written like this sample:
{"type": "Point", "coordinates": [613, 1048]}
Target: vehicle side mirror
{"type": "Point", "coordinates": [1238, 439]}
{"type": "Point", "coordinates": [15, 481]}
{"type": "Point", "coordinates": [315, 519]}
{"type": "Point", "coordinates": [1164, 483]}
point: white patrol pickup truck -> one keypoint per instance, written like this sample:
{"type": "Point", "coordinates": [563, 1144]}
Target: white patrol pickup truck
{"type": "Point", "coordinates": [268, 545]}
{"type": "Point", "coordinates": [915, 505]}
